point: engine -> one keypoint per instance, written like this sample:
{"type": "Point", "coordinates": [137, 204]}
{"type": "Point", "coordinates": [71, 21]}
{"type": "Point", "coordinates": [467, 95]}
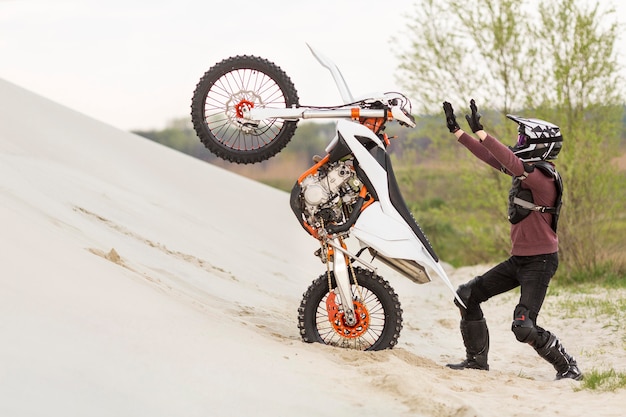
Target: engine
{"type": "Point", "coordinates": [328, 195]}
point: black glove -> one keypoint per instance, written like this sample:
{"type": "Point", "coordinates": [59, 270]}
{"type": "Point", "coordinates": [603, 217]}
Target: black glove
{"type": "Point", "coordinates": [453, 126]}
{"type": "Point", "coordinates": [474, 119]}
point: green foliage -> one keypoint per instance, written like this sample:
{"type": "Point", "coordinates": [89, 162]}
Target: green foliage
{"type": "Point", "coordinates": [179, 135]}
{"type": "Point", "coordinates": [459, 52]}
{"type": "Point", "coordinates": [558, 64]}
{"type": "Point", "coordinates": [461, 226]}
{"type": "Point", "coordinates": [311, 138]}
{"type": "Point", "coordinates": [583, 91]}
{"type": "Point", "coordinates": [608, 274]}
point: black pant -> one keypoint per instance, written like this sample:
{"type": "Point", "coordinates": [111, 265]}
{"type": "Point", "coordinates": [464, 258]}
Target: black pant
{"type": "Point", "coordinates": [532, 273]}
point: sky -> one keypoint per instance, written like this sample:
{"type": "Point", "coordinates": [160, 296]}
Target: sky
{"type": "Point", "coordinates": [134, 64]}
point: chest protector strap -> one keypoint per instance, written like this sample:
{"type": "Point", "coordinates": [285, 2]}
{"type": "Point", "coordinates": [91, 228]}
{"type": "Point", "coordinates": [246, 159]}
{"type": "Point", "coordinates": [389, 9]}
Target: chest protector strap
{"type": "Point", "coordinates": [521, 202]}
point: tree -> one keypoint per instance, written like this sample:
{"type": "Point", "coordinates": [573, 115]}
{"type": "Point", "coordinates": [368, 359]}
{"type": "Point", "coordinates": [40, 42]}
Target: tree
{"type": "Point", "coordinates": [558, 64]}
{"type": "Point", "coordinates": [583, 91]}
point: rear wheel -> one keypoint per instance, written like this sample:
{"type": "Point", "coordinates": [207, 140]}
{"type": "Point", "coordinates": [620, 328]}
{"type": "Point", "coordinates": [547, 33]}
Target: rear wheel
{"type": "Point", "coordinates": [378, 311]}
{"type": "Point", "coordinates": [222, 94]}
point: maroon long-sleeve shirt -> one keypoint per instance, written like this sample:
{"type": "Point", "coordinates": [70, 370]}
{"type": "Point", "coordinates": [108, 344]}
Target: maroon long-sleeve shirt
{"type": "Point", "coordinates": [534, 234]}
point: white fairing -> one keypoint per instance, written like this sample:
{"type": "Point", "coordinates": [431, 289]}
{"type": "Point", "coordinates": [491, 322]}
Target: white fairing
{"type": "Point", "coordinates": [380, 226]}
{"type": "Point", "coordinates": [387, 235]}
{"type": "Point", "coordinates": [344, 91]}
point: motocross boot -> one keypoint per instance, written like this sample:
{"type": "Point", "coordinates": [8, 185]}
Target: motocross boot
{"type": "Point", "coordinates": [564, 364]}
{"type": "Point", "coordinates": [476, 339]}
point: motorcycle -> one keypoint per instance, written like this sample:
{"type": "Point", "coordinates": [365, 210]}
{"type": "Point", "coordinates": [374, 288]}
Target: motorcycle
{"type": "Point", "coordinates": [245, 109]}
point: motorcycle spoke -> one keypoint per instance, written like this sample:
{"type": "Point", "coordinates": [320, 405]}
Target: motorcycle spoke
{"type": "Point", "coordinates": [221, 98]}
{"type": "Point", "coordinates": [236, 87]}
{"type": "Point", "coordinates": [377, 311]}
{"type": "Point", "coordinates": [374, 330]}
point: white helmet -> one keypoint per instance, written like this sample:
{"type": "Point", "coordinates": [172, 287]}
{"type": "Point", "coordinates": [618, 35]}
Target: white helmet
{"type": "Point", "coordinates": [538, 140]}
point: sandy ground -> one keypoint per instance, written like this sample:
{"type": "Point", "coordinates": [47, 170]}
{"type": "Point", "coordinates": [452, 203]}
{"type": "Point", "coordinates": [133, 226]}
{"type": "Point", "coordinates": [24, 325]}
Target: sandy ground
{"type": "Point", "coordinates": [137, 281]}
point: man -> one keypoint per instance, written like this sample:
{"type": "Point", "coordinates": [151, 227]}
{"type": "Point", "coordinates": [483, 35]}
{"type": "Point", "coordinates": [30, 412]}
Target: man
{"type": "Point", "coordinates": [534, 204]}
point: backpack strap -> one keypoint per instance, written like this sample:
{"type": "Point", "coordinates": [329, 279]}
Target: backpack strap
{"type": "Point", "coordinates": [530, 206]}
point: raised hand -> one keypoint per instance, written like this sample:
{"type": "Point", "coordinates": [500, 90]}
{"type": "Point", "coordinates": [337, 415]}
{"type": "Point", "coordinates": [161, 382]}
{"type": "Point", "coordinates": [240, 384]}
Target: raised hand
{"type": "Point", "coordinates": [451, 122]}
{"type": "Point", "coordinates": [474, 118]}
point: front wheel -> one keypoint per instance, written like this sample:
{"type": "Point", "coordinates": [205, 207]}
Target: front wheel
{"type": "Point", "coordinates": [379, 316]}
{"type": "Point", "coordinates": [225, 91]}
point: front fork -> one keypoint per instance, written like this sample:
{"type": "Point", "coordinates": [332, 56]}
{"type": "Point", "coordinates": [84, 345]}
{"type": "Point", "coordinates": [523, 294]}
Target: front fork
{"type": "Point", "coordinates": [334, 251]}
{"type": "Point", "coordinates": [342, 278]}
{"type": "Point", "coordinates": [341, 259]}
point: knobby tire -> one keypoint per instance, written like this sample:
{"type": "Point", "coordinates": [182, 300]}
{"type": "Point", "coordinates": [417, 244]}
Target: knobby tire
{"type": "Point", "coordinates": [383, 306]}
{"type": "Point", "coordinates": [226, 87]}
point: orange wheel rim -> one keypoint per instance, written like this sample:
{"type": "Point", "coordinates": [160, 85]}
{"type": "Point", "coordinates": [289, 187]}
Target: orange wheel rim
{"type": "Point", "coordinates": [336, 317]}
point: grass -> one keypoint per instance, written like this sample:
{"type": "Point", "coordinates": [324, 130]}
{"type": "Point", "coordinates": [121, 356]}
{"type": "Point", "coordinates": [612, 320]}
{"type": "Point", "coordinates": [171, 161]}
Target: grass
{"type": "Point", "coordinates": [608, 274]}
{"type": "Point", "coordinates": [585, 304]}
{"type": "Point", "coordinates": [606, 304]}
{"type": "Point", "coordinates": [603, 381]}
